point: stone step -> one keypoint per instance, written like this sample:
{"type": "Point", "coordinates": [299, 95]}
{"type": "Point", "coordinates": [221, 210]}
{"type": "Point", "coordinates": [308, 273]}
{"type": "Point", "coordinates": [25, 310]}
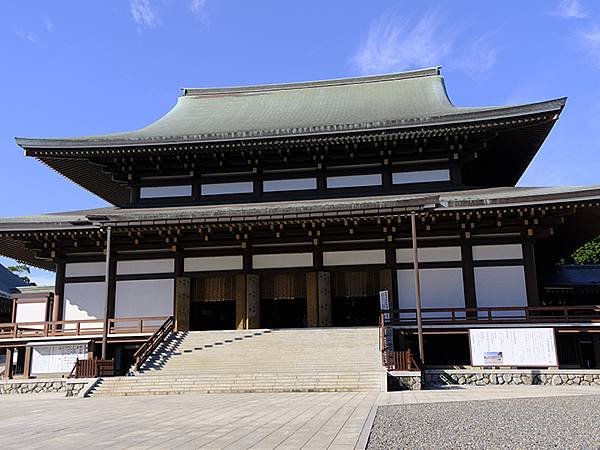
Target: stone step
{"type": "Point", "coordinates": [289, 360]}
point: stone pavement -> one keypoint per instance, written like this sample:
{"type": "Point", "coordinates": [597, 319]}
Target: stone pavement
{"type": "Point", "coordinates": [234, 421]}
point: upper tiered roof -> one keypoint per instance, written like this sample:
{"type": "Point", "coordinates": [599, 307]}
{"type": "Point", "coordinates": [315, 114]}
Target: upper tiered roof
{"type": "Point", "coordinates": [395, 101]}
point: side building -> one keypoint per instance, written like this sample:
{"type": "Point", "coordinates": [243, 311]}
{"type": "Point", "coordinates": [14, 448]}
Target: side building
{"type": "Point", "coordinates": [294, 205]}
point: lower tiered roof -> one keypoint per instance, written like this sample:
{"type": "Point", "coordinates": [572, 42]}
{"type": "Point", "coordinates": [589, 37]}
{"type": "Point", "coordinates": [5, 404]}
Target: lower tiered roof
{"type": "Point", "coordinates": [13, 230]}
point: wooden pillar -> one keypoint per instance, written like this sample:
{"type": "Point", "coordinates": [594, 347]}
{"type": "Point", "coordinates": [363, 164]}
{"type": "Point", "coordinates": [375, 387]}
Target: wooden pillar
{"type": "Point", "coordinates": [182, 303]}
{"type": "Point", "coordinates": [27, 362]}
{"type": "Point", "coordinates": [312, 299]}
{"type": "Point", "coordinates": [8, 367]}
{"type": "Point", "coordinates": [468, 275]}
{"type": "Point", "coordinates": [386, 283]}
{"type": "Point", "coordinates": [59, 292]}
{"type": "Point", "coordinates": [531, 281]}
{"type": "Point", "coordinates": [324, 300]}
{"type": "Point", "coordinates": [252, 301]}
{"type": "Point", "coordinates": [240, 301]}
{"type": "Point", "coordinates": [112, 286]}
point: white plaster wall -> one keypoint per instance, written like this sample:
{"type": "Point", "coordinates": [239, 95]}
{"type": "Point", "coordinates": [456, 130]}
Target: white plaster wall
{"type": "Point", "coordinates": [296, 184]}
{"type": "Point", "coordinates": [354, 181]}
{"type": "Point", "coordinates": [440, 288]}
{"type": "Point", "coordinates": [144, 298]}
{"type": "Point", "coordinates": [30, 312]}
{"type": "Point", "coordinates": [85, 269]}
{"type": "Point", "coordinates": [356, 257]}
{"type": "Point", "coordinates": [429, 254]}
{"type": "Point", "coordinates": [145, 266]}
{"type": "Point", "coordinates": [84, 301]}
{"type": "Point", "coordinates": [242, 187]}
{"type": "Point", "coordinates": [282, 260]}
{"type": "Point", "coordinates": [209, 263]}
{"type": "Point", "coordinates": [421, 176]}
{"type": "Point", "coordinates": [497, 252]}
{"type": "Point", "coordinates": [166, 191]}
{"type": "Point", "coordinates": [500, 286]}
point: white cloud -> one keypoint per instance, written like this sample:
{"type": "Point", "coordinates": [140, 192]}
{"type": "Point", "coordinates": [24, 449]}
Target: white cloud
{"type": "Point", "coordinates": [570, 9]}
{"type": "Point", "coordinates": [590, 43]}
{"type": "Point", "coordinates": [144, 13]}
{"type": "Point", "coordinates": [478, 57]}
{"type": "Point", "coordinates": [198, 6]}
{"type": "Point", "coordinates": [394, 43]}
{"type": "Point", "coordinates": [49, 25]}
{"type": "Point", "coordinates": [27, 36]}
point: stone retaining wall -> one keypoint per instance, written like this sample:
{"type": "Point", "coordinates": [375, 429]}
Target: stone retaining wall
{"type": "Point", "coordinates": [512, 377]}
{"type": "Point", "coordinates": [71, 388]}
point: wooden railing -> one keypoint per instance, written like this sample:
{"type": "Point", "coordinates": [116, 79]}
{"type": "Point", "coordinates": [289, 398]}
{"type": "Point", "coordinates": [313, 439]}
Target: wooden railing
{"type": "Point", "coordinates": [401, 360]}
{"type": "Point", "coordinates": [93, 368]}
{"type": "Point", "coordinates": [154, 341]}
{"type": "Point", "coordinates": [89, 327]}
{"type": "Point", "coordinates": [493, 315]}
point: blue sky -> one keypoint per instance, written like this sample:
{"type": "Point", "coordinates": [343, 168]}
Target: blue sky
{"type": "Point", "coordinates": [73, 68]}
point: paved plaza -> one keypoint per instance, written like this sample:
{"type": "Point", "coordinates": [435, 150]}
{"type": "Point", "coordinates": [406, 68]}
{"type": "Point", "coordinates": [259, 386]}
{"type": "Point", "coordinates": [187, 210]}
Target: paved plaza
{"type": "Point", "coordinates": [295, 420]}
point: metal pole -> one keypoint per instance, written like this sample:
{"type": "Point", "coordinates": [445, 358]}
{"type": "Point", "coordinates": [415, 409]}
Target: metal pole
{"type": "Point", "coordinates": [107, 294]}
{"type": "Point", "coordinates": [413, 224]}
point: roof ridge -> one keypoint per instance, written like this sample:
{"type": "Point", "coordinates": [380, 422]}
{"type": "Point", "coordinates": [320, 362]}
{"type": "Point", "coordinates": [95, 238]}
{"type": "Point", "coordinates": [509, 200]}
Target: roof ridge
{"type": "Point", "coordinates": [432, 71]}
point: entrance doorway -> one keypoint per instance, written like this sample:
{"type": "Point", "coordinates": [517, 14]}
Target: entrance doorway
{"type": "Point", "coordinates": [355, 299]}
{"type": "Point", "coordinates": [212, 305]}
{"type": "Point", "coordinates": [283, 301]}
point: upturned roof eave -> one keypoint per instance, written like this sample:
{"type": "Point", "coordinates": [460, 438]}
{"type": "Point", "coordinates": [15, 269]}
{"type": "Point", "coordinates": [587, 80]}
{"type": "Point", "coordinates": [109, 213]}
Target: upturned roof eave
{"type": "Point", "coordinates": [447, 120]}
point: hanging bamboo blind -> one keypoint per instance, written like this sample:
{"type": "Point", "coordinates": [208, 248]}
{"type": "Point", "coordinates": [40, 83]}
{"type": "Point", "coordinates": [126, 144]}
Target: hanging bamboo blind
{"type": "Point", "coordinates": [356, 284]}
{"type": "Point", "coordinates": [212, 289]}
{"type": "Point", "coordinates": [281, 287]}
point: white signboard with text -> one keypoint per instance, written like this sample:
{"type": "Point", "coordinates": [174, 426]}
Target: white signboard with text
{"type": "Point", "coordinates": [518, 347]}
{"type": "Point", "coordinates": [57, 358]}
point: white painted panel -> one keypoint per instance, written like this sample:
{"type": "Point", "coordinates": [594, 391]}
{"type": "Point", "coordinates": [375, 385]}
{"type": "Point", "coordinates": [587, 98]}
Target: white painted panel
{"type": "Point", "coordinates": [85, 269]}
{"type": "Point", "coordinates": [59, 358]}
{"type": "Point", "coordinates": [354, 181]}
{"type": "Point", "coordinates": [520, 347]}
{"type": "Point", "coordinates": [421, 176]}
{"type": "Point", "coordinates": [30, 312]}
{"type": "Point", "coordinates": [144, 298]}
{"type": "Point", "coordinates": [243, 187]}
{"type": "Point", "coordinates": [282, 260]}
{"type": "Point", "coordinates": [166, 191]}
{"type": "Point", "coordinates": [84, 301]}
{"type": "Point", "coordinates": [356, 257]}
{"type": "Point", "coordinates": [492, 252]}
{"type": "Point", "coordinates": [209, 263]}
{"type": "Point", "coordinates": [145, 266]}
{"type": "Point", "coordinates": [429, 254]}
{"type": "Point", "coordinates": [440, 288]}
{"type": "Point", "coordinates": [296, 184]}
{"type": "Point", "coordinates": [500, 286]}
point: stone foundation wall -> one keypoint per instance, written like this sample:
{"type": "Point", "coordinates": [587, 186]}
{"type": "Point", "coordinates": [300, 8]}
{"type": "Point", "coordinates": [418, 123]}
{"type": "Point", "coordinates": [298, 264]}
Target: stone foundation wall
{"type": "Point", "coordinates": [402, 381]}
{"type": "Point", "coordinates": [547, 377]}
{"type": "Point", "coordinates": [470, 377]}
{"type": "Point", "coordinates": [71, 388]}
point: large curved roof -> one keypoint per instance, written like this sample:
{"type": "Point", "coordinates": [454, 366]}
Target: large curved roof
{"type": "Point", "coordinates": [399, 100]}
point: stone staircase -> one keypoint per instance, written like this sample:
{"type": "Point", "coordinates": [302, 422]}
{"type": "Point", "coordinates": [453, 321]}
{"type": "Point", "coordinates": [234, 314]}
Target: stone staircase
{"type": "Point", "coordinates": [285, 360]}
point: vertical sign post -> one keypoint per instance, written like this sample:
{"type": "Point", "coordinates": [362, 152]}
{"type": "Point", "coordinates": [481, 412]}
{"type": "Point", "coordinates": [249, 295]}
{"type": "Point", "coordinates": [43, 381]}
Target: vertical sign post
{"type": "Point", "coordinates": [384, 304]}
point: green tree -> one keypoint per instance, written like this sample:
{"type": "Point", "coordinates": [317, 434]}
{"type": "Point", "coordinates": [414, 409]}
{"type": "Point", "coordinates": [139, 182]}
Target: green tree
{"type": "Point", "coordinates": [21, 270]}
{"type": "Point", "coordinates": [588, 253]}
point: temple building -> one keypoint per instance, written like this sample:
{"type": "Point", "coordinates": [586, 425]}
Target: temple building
{"type": "Point", "coordinates": [294, 206]}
